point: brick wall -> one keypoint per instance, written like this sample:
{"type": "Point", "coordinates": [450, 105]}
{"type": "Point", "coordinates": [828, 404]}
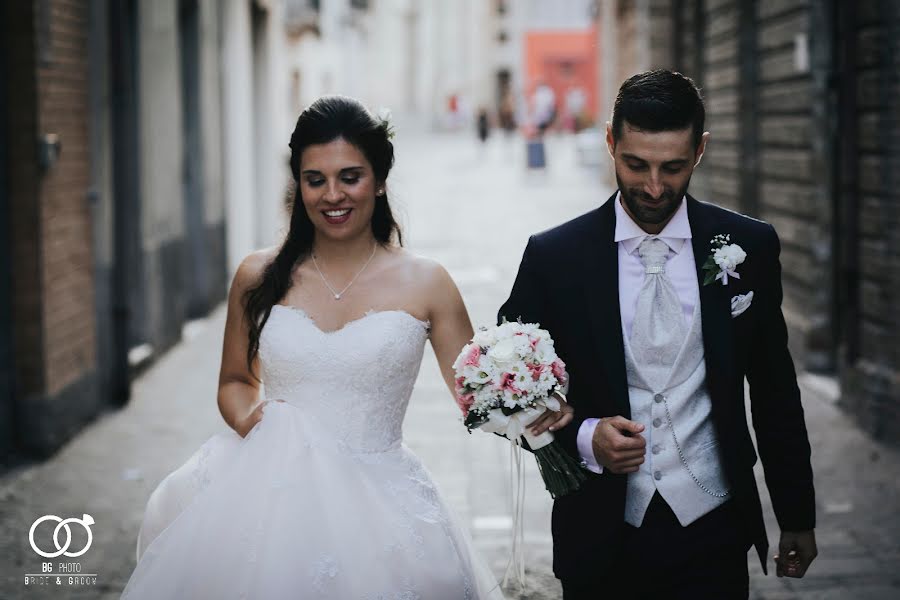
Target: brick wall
{"type": "Point", "coordinates": [795, 165]}
{"type": "Point", "coordinates": [767, 155]}
{"type": "Point", "coordinates": [50, 223]}
{"type": "Point", "coordinates": [719, 175]}
{"type": "Point", "coordinates": [68, 290]}
{"type": "Point", "coordinates": [871, 374]}
{"type": "Point", "coordinates": [802, 104]}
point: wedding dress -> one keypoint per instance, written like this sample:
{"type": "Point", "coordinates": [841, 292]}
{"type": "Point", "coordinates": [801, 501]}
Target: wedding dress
{"type": "Point", "coordinates": [321, 499]}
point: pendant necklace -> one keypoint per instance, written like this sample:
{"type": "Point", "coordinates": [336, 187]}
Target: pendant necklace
{"type": "Point", "coordinates": [337, 295]}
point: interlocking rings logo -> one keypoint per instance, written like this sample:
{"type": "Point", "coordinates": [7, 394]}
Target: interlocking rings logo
{"type": "Point", "coordinates": [85, 521]}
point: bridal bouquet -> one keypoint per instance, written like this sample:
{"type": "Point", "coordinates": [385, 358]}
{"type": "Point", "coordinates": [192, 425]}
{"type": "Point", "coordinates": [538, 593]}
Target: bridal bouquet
{"type": "Point", "coordinates": [505, 380]}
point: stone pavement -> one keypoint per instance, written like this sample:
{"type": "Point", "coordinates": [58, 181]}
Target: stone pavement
{"type": "Point", "coordinates": [472, 209]}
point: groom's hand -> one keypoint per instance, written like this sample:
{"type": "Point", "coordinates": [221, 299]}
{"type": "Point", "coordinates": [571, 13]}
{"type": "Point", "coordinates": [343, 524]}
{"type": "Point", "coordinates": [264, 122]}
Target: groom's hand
{"type": "Point", "coordinates": [553, 420]}
{"type": "Point", "coordinates": [796, 551]}
{"type": "Point", "coordinates": [619, 445]}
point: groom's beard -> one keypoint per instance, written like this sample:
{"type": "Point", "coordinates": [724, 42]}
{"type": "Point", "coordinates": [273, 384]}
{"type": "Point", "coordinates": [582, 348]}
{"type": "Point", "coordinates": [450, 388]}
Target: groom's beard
{"type": "Point", "coordinates": [655, 214]}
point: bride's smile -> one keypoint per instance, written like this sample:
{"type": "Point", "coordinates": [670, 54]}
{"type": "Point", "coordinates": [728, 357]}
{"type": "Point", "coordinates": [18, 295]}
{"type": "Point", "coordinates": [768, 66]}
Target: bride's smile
{"type": "Point", "coordinates": [338, 189]}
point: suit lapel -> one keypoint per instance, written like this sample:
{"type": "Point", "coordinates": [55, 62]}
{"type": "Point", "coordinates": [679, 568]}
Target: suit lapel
{"type": "Point", "coordinates": [603, 297]}
{"type": "Point", "coordinates": [715, 303]}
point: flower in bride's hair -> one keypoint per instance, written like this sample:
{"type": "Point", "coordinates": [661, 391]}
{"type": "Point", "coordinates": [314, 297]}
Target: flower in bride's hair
{"type": "Point", "coordinates": [385, 116]}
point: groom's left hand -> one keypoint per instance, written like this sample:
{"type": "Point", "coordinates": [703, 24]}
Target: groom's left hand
{"type": "Point", "coordinates": [553, 420]}
{"type": "Point", "coordinates": [796, 551]}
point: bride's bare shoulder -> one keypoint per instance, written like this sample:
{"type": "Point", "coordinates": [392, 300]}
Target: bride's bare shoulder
{"type": "Point", "coordinates": [416, 265]}
{"type": "Point", "coordinates": [426, 272]}
{"type": "Point", "coordinates": [251, 268]}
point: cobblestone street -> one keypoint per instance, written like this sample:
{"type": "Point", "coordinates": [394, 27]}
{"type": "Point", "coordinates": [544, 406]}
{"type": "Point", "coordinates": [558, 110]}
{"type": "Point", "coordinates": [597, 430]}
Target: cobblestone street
{"type": "Point", "coordinates": [471, 208]}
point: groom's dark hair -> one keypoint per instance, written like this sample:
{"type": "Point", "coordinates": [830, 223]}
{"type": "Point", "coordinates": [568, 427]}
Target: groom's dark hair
{"type": "Point", "coordinates": [659, 100]}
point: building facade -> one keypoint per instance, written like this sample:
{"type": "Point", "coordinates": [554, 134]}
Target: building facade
{"type": "Point", "coordinates": [802, 108]}
{"type": "Point", "coordinates": [140, 161]}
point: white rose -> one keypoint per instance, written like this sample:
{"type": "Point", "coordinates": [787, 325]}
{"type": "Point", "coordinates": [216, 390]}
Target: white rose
{"type": "Point", "coordinates": [506, 330]}
{"type": "Point", "coordinates": [504, 351]}
{"type": "Point", "coordinates": [729, 257]}
{"type": "Point", "coordinates": [484, 337]}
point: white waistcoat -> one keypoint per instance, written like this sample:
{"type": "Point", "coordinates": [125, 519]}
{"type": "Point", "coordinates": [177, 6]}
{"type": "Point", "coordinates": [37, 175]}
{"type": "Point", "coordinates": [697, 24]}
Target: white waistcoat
{"type": "Point", "coordinates": [689, 408]}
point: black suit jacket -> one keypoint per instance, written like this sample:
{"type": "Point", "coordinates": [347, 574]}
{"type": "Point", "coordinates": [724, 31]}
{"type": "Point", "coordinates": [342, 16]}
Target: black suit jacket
{"type": "Point", "coordinates": [568, 282]}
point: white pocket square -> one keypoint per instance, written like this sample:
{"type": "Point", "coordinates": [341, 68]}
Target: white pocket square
{"type": "Point", "coordinates": [740, 303]}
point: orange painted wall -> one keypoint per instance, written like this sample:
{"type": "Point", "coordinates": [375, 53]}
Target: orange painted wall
{"type": "Point", "coordinates": [562, 59]}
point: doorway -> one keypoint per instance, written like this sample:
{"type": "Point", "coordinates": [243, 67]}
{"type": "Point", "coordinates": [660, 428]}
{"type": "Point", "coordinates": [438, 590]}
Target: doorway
{"type": "Point", "coordinates": [128, 302]}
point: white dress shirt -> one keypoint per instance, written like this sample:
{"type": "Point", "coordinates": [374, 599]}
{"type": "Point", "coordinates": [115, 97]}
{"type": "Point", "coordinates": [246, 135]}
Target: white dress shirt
{"type": "Point", "coordinates": [681, 269]}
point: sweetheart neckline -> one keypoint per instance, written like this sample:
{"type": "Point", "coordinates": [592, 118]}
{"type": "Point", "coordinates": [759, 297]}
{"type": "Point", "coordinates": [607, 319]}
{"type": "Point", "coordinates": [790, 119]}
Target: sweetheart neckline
{"type": "Point", "coordinates": [370, 313]}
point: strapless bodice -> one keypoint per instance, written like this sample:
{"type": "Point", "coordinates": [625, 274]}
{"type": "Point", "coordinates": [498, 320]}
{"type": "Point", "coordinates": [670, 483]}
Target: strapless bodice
{"type": "Point", "coordinates": [356, 381]}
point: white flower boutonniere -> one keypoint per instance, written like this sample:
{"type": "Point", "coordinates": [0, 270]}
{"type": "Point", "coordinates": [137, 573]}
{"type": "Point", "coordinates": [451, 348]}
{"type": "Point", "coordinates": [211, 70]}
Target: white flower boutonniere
{"type": "Point", "coordinates": [724, 260]}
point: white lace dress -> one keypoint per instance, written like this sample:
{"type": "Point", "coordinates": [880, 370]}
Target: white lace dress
{"type": "Point", "coordinates": [321, 499]}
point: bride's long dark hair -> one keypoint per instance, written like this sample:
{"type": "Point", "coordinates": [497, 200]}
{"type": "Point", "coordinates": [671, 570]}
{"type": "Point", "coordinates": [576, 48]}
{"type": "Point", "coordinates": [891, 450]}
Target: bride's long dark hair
{"type": "Point", "coordinates": [326, 119]}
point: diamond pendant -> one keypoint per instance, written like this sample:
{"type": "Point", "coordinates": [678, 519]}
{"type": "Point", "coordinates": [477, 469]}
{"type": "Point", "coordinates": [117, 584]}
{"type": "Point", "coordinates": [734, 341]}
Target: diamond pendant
{"type": "Point", "coordinates": [337, 296]}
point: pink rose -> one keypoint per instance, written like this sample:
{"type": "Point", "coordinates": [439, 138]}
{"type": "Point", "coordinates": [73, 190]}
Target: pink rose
{"type": "Point", "coordinates": [473, 357]}
{"type": "Point", "coordinates": [465, 402]}
{"type": "Point", "coordinates": [559, 371]}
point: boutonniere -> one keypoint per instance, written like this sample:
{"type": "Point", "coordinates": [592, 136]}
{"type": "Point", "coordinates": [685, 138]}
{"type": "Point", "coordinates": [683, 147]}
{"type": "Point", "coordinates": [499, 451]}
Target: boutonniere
{"type": "Point", "coordinates": [723, 262]}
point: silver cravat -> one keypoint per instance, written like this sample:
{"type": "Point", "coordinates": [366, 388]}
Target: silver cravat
{"type": "Point", "coordinates": [658, 330]}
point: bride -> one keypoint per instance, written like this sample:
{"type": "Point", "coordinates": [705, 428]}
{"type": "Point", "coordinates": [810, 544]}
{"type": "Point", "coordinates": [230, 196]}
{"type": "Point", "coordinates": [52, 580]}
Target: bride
{"type": "Point", "coordinates": [311, 492]}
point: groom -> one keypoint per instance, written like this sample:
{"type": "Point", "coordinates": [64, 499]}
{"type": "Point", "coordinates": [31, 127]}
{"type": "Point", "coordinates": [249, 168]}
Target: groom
{"type": "Point", "coordinates": [661, 305]}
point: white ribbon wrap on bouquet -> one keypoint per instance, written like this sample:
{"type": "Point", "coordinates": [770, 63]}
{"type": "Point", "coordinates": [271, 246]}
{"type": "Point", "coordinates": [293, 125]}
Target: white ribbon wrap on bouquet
{"type": "Point", "coordinates": [515, 426]}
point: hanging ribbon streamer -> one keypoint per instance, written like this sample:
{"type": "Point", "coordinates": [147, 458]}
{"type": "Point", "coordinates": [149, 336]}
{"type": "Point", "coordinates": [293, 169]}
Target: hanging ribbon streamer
{"type": "Point", "coordinates": [515, 567]}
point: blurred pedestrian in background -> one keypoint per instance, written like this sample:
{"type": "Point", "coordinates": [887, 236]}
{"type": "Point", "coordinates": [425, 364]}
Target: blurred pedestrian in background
{"type": "Point", "coordinates": [507, 112]}
{"type": "Point", "coordinates": [483, 125]}
{"type": "Point", "coordinates": [544, 107]}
